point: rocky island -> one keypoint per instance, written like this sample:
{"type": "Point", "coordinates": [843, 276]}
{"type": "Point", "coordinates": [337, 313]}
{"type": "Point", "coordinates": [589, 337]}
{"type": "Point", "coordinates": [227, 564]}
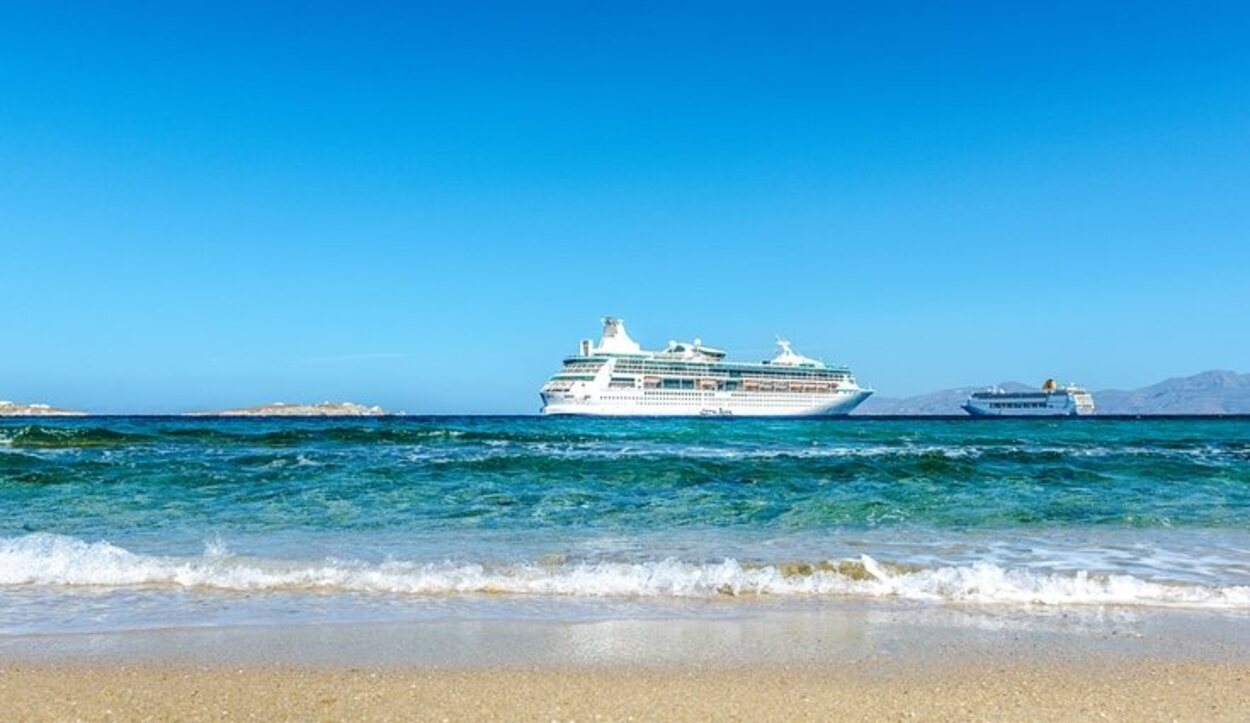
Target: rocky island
{"type": "Point", "coordinates": [282, 409]}
{"type": "Point", "coordinates": [13, 409]}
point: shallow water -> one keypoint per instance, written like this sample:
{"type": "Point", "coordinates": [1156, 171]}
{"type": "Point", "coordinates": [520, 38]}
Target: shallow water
{"type": "Point", "coordinates": [113, 523]}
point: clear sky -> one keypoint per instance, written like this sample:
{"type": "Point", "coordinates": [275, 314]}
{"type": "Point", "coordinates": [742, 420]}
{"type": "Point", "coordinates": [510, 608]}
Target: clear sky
{"type": "Point", "coordinates": [425, 207]}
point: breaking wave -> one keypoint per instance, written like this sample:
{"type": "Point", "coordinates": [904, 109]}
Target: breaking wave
{"type": "Point", "coordinates": [54, 560]}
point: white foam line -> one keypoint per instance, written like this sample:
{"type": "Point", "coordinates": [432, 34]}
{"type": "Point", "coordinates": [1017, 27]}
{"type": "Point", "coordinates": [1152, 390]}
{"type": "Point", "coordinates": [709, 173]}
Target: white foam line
{"type": "Point", "coordinates": [54, 560]}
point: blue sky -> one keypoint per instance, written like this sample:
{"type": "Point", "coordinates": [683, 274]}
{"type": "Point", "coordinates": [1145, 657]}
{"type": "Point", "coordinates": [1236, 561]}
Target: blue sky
{"type": "Point", "coordinates": [426, 206]}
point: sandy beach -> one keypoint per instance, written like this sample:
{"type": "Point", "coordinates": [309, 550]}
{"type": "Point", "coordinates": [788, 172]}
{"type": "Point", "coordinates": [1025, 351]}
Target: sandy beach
{"type": "Point", "coordinates": [850, 662]}
{"type": "Point", "coordinates": [1135, 691]}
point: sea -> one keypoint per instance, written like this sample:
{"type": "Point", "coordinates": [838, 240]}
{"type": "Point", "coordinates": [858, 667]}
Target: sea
{"type": "Point", "coordinates": [118, 524]}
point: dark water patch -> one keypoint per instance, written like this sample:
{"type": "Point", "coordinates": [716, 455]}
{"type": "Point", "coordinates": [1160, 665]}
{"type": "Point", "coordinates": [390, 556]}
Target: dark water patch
{"type": "Point", "coordinates": [12, 462]}
{"type": "Point", "coordinates": [332, 433]}
{"type": "Point", "coordinates": [39, 466]}
{"type": "Point", "coordinates": [49, 437]}
{"type": "Point", "coordinates": [676, 469]}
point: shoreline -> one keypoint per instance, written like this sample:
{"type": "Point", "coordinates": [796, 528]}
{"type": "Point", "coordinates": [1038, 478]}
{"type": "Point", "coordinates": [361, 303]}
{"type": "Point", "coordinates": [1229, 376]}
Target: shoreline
{"type": "Point", "coordinates": [847, 632]}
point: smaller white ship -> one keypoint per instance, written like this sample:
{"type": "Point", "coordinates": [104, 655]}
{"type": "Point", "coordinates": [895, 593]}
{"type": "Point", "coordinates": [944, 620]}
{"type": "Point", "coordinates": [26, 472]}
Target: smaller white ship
{"type": "Point", "coordinates": [1051, 401]}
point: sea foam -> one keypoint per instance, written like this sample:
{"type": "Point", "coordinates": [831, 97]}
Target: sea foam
{"type": "Point", "coordinates": [54, 560]}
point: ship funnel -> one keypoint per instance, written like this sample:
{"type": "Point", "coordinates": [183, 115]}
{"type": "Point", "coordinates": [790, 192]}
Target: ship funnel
{"type": "Point", "coordinates": [615, 339]}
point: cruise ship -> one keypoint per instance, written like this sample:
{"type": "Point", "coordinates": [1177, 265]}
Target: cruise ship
{"type": "Point", "coordinates": [1051, 400]}
{"type": "Point", "coordinates": [617, 377]}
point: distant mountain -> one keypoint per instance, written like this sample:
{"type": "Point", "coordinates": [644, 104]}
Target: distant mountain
{"type": "Point", "coordinates": [945, 401]}
{"type": "Point", "coordinates": [1213, 392]}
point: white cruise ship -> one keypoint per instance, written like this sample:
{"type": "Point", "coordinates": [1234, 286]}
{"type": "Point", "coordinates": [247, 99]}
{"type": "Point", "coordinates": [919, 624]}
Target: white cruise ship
{"type": "Point", "coordinates": [1051, 400]}
{"type": "Point", "coordinates": [617, 377]}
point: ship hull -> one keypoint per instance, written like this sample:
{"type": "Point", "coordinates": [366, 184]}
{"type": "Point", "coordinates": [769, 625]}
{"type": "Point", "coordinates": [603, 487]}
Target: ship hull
{"type": "Point", "coordinates": [656, 403]}
{"type": "Point", "coordinates": [1070, 410]}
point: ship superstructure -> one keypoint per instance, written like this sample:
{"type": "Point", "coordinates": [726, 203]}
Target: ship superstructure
{"type": "Point", "coordinates": [1052, 400]}
{"type": "Point", "coordinates": [618, 377]}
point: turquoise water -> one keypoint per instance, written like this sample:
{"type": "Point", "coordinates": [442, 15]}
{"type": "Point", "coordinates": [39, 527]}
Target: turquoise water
{"type": "Point", "coordinates": [121, 522]}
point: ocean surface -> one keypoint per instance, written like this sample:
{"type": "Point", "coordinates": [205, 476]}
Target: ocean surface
{"type": "Point", "coordinates": [126, 523]}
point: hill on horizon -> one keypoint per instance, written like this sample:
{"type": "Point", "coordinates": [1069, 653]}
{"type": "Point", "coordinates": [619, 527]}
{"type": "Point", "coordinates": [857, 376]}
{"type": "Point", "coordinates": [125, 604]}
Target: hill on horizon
{"type": "Point", "coordinates": [1212, 392]}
